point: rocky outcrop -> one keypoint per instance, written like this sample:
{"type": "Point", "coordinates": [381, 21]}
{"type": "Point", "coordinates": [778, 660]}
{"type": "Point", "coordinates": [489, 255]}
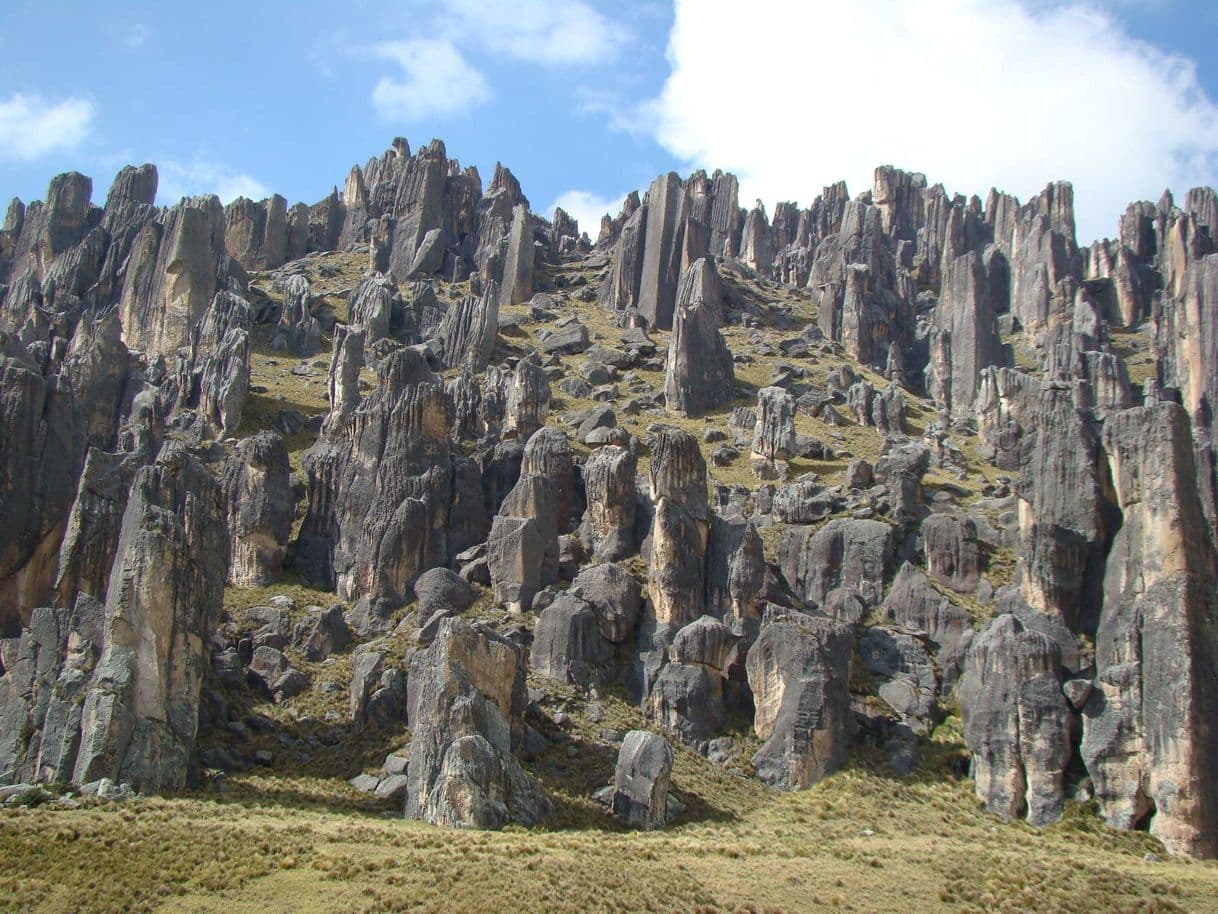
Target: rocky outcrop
{"type": "Point", "coordinates": [567, 642]}
{"type": "Point", "coordinates": [259, 507]}
{"type": "Point", "coordinates": [967, 337]}
{"type": "Point", "coordinates": [953, 553]}
{"type": "Point", "coordinates": [843, 553]}
{"type": "Point", "coordinates": [256, 234]}
{"type": "Point", "coordinates": [918, 609]}
{"type": "Point", "coordinates": [1017, 722]}
{"type": "Point", "coordinates": [298, 332]}
{"type": "Point", "coordinates": [371, 306]}
{"type": "Point", "coordinates": [214, 376]}
{"type": "Point", "coordinates": [389, 495]}
{"type": "Point", "coordinates": [607, 529]}
{"type": "Point", "coordinates": [774, 434]}
{"type": "Point", "coordinates": [517, 285]}
{"type": "Point", "coordinates": [676, 573]}
{"type": "Point", "coordinates": [660, 270]}
{"type": "Point", "coordinates": [614, 595]}
{"type": "Point", "coordinates": [698, 375]}
{"type": "Point", "coordinates": [49, 423]}
{"type": "Point", "coordinates": [687, 696]}
{"type": "Point", "coordinates": [466, 709]}
{"type": "Point", "coordinates": [798, 669]}
{"type": "Point", "coordinates": [469, 330]}
{"type": "Point", "coordinates": [1147, 740]}
{"type": "Point", "coordinates": [113, 691]}
{"type": "Point", "coordinates": [177, 264]}
{"type": "Point", "coordinates": [620, 289]}
{"type": "Point", "coordinates": [528, 398]}
{"type": "Point", "coordinates": [640, 781]}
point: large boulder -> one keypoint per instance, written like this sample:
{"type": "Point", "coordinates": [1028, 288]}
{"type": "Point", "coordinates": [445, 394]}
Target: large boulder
{"type": "Point", "coordinates": [687, 697]}
{"type": "Point", "coordinates": [260, 508]}
{"type": "Point", "coordinates": [798, 670]}
{"type": "Point", "coordinates": [641, 779]}
{"type": "Point", "coordinates": [567, 642]}
{"type": "Point", "coordinates": [615, 596]}
{"type": "Point", "coordinates": [466, 708]}
{"type": "Point", "coordinates": [608, 524]}
{"type": "Point", "coordinates": [1017, 722]}
{"type": "Point", "coordinates": [698, 375]}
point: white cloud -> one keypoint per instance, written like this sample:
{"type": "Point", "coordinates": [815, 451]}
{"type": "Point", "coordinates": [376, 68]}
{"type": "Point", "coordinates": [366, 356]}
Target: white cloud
{"type": "Point", "coordinates": [31, 127]}
{"type": "Point", "coordinates": [587, 208]}
{"type": "Point", "coordinates": [540, 31]}
{"type": "Point", "coordinates": [973, 93]}
{"type": "Point", "coordinates": [137, 36]}
{"type": "Point", "coordinates": [188, 179]}
{"type": "Point", "coordinates": [437, 81]}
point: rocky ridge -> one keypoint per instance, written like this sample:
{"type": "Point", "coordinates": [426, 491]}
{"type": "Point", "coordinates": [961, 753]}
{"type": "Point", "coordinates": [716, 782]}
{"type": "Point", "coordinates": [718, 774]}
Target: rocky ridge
{"type": "Point", "coordinates": [833, 475]}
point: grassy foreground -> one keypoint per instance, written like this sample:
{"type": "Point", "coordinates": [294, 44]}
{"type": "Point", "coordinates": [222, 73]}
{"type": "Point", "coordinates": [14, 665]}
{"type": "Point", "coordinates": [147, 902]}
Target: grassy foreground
{"type": "Point", "coordinates": [859, 841]}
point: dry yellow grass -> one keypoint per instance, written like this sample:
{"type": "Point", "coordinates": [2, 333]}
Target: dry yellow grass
{"type": "Point", "coordinates": [861, 841]}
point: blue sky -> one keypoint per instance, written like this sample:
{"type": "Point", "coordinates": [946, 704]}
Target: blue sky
{"type": "Point", "coordinates": [587, 101]}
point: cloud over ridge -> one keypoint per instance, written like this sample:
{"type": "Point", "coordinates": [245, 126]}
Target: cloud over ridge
{"type": "Point", "coordinates": [973, 93]}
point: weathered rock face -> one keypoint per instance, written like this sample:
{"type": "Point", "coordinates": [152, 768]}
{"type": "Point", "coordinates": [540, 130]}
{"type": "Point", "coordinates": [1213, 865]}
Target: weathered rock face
{"type": "Point", "coordinates": [901, 668]}
{"type": "Point", "coordinates": [1064, 520]}
{"type": "Point", "coordinates": [370, 306]}
{"type": "Point", "coordinates": [389, 495]}
{"type": "Point", "coordinates": [774, 434]}
{"type": "Point", "coordinates": [139, 718]}
{"type": "Point", "coordinates": [544, 494]}
{"type": "Point", "coordinates": [260, 508]}
{"type": "Point", "coordinates": [1147, 741]}
{"type": "Point", "coordinates": [567, 642]}
{"type": "Point", "coordinates": [214, 377]}
{"type": "Point", "coordinates": [256, 234]}
{"type": "Point", "coordinates": [967, 339]}
{"type": "Point", "coordinates": [953, 554]}
{"type": "Point", "coordinates": [528, 398]}
{"type": "Point", "coordinates": [843, 553]}
{"type": "Point", "coordinates": [918, 609]}
{"type": "Point", "coordinates": [515, 554]}
{"type": "Point", "coordinates": [607, 529]}
{"type": "Point", "coordinates": [620, 290]}
{"type": "Point", "coordinates": [699, 375]}
{"type": "Point", "coordinates": [640, 781]}
{"type": "Point", "coordinates": [756, 242]}
{"type": "Point", "coordinates": [298, 332]}
{"type": "Point", "coordinates": [1017, 722]}
{"type": "Point", "coordinates": [798, 669]}
{"type": "Point", "coordinates": [517, 285]}
{"type": "Point", "coordinates": [687, 697]}
{"type": "Point", "coordinates": [864, 301]}
{"type": "Point", "coordinates": [677, 574]}
{"type": "Point", "coordinates": [615, 597]}
{"type": "Point", "coordinates": [466, 705]}
{"type": "Point", "coordinates": [469, 330]}
{"type": "Point", "coordinates": [177, 264]}
{"type": "Point", "coordinates": [660, 270]}
{"type": "Point", "coordinates": [49, 424]}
